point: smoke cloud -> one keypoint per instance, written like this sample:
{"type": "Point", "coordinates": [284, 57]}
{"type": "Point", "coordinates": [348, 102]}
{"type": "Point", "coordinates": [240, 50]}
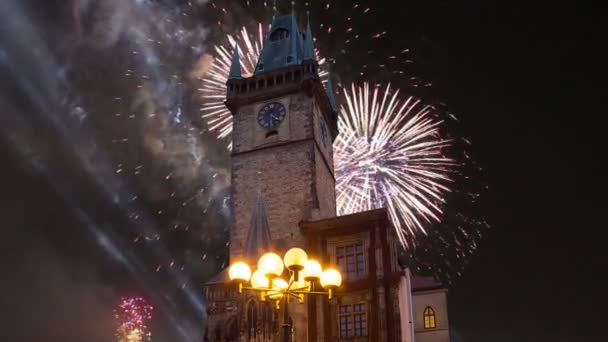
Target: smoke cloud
{"type": "Point", "coordinates": [98, 104]}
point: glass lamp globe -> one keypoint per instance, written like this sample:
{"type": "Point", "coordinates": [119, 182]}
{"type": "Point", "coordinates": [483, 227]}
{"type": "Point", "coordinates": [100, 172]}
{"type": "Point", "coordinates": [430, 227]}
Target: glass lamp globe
{"type": "Point", "coordinates": [312, 270]}
{"type": "Point", "coordinates": [278, 286]}
{"type": "Point", "coordinates": [271, 265]}
{"type": "Point", "coordinates": [239, 272]}
{"type": "Point", "coordinates": [295, 259]}
{"type": "Point", "coordinates": [258, 280]}
{"type": "Point", "coordinates": [331, 279]}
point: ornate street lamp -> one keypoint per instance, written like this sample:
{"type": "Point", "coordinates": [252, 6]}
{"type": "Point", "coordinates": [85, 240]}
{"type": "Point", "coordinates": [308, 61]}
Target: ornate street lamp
{"type": "Point", "coordinates": [268, 282]}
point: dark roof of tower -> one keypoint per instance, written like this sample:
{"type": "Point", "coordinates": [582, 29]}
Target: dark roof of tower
{"type": "Point", "coordinates": [280, 51]}
{"type": "Point", "coordinates": [235, 66]}
{"type": "Point", "coordinates": [258, 237]}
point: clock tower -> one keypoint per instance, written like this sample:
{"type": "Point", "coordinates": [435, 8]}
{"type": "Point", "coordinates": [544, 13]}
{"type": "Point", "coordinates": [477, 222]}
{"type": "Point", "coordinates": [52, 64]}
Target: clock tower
{"type": "Point", "coordinates": [284, 125]}
{"type": "Point", "coordinates": [283, 196]}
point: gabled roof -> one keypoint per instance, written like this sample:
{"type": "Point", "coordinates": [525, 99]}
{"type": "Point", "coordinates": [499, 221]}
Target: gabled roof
{"type": "Point", "coordinates": [220, 278]}
{"type": "Point", "coordinates": [258, 237]}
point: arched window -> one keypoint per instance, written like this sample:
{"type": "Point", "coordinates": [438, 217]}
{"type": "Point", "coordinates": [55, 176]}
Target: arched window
{"type": "Point", "coordinates": [252, 320]}
{"type": "Point", "coordinates": [279, 34]}
{"type": "Point", "coordinates": [267, 319]}
{"type": "Point", "coordinates": [218, 332]}
{"type": "Point", "coordinates": [231, 330]}
{"type": "Point", "coordinates": [429, 318]}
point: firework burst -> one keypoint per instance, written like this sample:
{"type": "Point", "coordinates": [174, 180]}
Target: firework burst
{"type": "Point", "coordinates": [132, 316]}
{"type": "Point", "coordinates": [213, 88]}
{"type": "Point", "coordinates": [393, 151]}
{"type": "Point", "coordinates": [397, 153]}
{"type": "Point", "coordinates": [390, 154]}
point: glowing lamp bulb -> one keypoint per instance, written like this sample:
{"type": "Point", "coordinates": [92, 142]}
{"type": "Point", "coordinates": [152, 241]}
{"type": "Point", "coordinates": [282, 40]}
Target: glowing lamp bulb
{"type": "Point", "coordinates": [295, 259]}
{"type": "Point", "coordinates": [258, 280]}
{"type": "Point", "coordinates": [239, 272]}
{"type": "Point", "coordinates": [278, 286]}
{"type": "Point", "coordinates": [331, 279]}
{"type": "Point", "coordinates": [312, 270]}
{"type": "Point", "coordinates": [271, 265]}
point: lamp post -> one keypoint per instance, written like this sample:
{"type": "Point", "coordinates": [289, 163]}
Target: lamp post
{"type": "Point", "coordinates": [303, 274]}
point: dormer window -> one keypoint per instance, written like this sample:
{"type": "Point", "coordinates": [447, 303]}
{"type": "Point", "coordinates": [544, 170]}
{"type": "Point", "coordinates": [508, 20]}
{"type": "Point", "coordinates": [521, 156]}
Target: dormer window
{"type": "Point", "coordinates": [279, 34]}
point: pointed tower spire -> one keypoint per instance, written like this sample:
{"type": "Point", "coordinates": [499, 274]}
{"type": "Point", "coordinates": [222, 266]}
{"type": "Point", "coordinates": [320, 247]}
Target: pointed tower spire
{"type": "Point", "coordinates": [295, 37]}
{"type": "Point", "coordinates": [235, 66]}
{"type": "Point", "coordinates": [329, 90]}
{"type": "Point", "coordinates": [258, 237]}
{"type": "Point", "coordinates": [309, 44]}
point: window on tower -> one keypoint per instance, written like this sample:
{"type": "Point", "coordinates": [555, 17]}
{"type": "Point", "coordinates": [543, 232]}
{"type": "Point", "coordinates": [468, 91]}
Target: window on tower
{"type": "Point", "coordinates": [429, 318]}
{"type": "Point", "coordinates": [279, 34]}
{"type": "Point", "coordinates": [351, 260]}
{"type": "Point", "coordinates": [252, 319]}
{"type": "Point", "coordinates": [218, 332]}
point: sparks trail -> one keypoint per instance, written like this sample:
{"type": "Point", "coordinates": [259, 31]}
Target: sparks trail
{"type": "Point", "coordinates": [395, 152]}
{"type": "Point", "coordinates": [132, 316]}
{"type": "Point", "coordinates": [156, 143]}
{"type": "Point", "coordinates": [344, 33]}
{"type": "Point", "coordinates": [389, 153]}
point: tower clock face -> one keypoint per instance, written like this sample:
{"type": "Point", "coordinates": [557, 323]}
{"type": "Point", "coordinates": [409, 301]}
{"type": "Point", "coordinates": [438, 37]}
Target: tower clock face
{"type": "Point", "coordinates": [271, 115]}
{"type": "Point", "coordinates": [323, 131]}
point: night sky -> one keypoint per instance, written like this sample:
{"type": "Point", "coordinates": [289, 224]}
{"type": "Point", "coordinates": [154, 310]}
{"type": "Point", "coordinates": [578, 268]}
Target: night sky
{"type": "Point", "coordinates": [520, 78]}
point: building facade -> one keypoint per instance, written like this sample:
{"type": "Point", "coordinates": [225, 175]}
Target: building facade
{"type": "Point", "coordinates": [283, 196]}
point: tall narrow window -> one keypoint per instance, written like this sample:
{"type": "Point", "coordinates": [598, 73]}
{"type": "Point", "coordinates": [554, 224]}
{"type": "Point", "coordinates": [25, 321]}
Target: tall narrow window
{"type": "Point", "coordinates": [252, 319]}
{"type": "Point", "coordinates": [218, 332]}
{"type": "Point", "coordinates": [353, 320]}
{"type": "Point", "coordinates": [267, 319]}
{"type": "Point", "coordinates": [351, 260]}
{"type": "Point", "coordinates": [429, 318]}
